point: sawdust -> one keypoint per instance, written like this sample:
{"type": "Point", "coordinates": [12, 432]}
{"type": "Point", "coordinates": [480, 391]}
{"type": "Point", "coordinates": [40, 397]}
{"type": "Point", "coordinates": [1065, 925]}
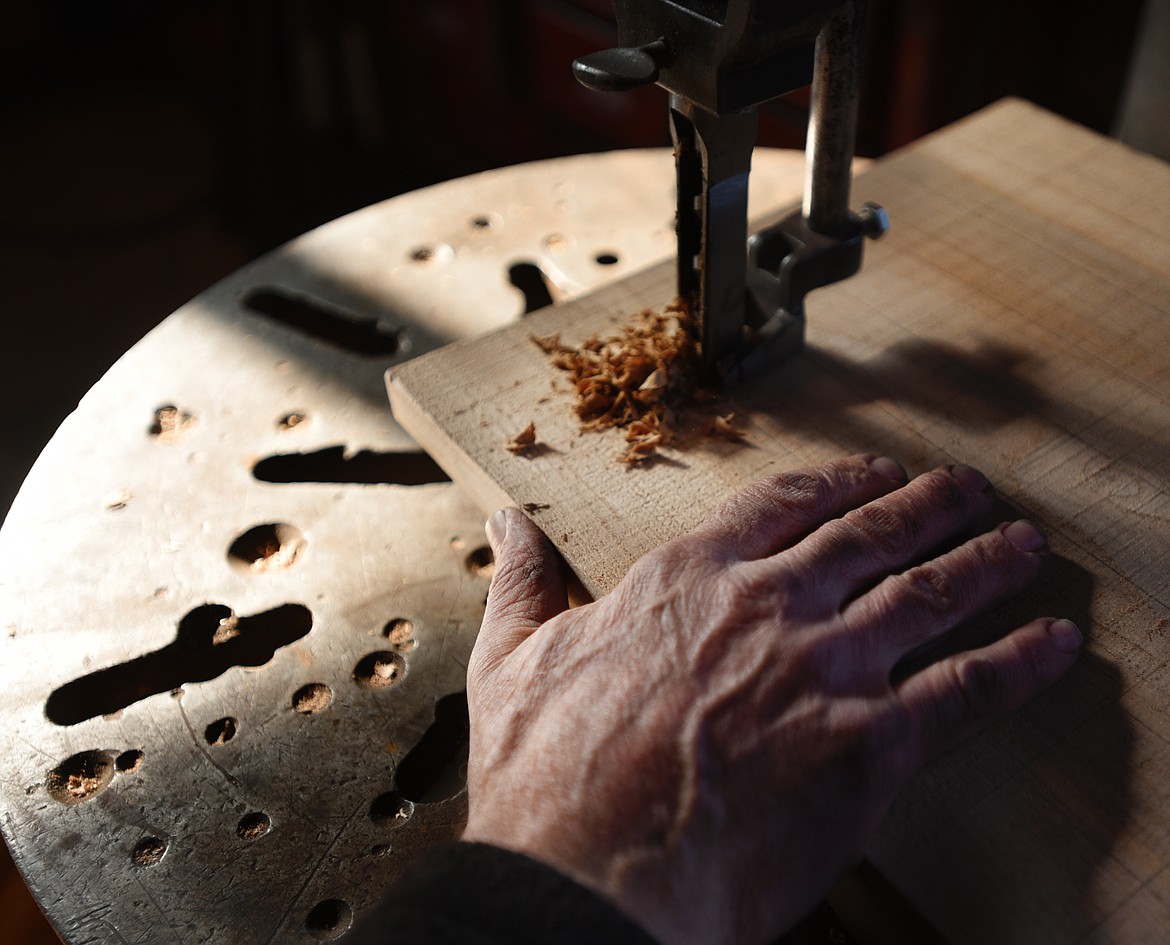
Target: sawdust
{"type": "Point", "coordinates": [225, 630]}
{"type": "Point", "coordinates": [221, 731]}
{"type": "Point", "coordinates": [379, 670]}
{"type": "Point", "coordinates": [149, 851]}
{"type": "Point", "coordinates": [171, 424]}
{"type": "Point", "coordinates": [80, 785]}
{"type": "Point", "coordinates": [291, 420]}
{"type": "Point", "coordinates": [721, 427]}
{"type": "Point", "coordinates": [80, 777]}
{"type": "Point", "coordinates": [400, 633]}
{"type": "Point", "coordinates": [274, 555]}
{"type": "Point", "coordinates": [642, 380]}
{"type": "Point", "coordinates": [391, 810]}
{"type": "Point", "coordinates": [312, 698]}
{"type": "Point", "coordinates": [523, 441]}
{"type": "Point", "coordinates": [130, 762]}
{"type": "Point", "coordinates": [253, 826]}
{"type": "Point", "coordinates": [265, 548]}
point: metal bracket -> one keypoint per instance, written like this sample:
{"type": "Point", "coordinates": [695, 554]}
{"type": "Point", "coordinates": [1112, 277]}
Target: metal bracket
{"type": "Point", "coordinates": [720, 60]}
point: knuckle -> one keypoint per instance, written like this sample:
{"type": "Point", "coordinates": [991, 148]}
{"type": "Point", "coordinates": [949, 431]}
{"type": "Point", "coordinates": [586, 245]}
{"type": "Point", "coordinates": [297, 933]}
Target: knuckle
{"type": "Point", "coordinates": [881, 529]}
{"type": "Point", "coordinates": [511, 581]}
{"type": "Point", "coordinates": [806, 491]}
{"type": "Point", "coordinates": [979, 686]}
{"type": "Point", "coordinates": [942, 491]}
{"type": "Point", "coordinates": [930, 587]}
{"type": "Point", "coordinates": [678, 559]}
{"type": "Point", "coordinates": [767, 579]}
{"type": "Point", "coordinates": [517, 582]}
{"type": "Point", "coordinates": [935, 495]}
{"type": "Point", "coordinates": [780, 589]}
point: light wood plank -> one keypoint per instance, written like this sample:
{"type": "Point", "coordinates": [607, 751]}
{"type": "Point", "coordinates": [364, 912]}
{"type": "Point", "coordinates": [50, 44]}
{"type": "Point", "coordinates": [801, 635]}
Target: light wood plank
{"type": "Point", "coordinates": [1016, 318]}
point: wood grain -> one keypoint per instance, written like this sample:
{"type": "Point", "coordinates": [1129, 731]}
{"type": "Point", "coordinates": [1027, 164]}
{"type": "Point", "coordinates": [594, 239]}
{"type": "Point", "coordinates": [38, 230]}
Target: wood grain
{"type": "Point", "coordinates": [1017, 318]}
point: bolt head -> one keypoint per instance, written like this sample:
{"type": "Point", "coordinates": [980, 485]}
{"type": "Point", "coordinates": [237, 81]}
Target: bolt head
{"type": "Point", "coordinates": [875, 220]}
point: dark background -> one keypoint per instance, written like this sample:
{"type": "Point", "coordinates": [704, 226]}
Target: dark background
{"type": "Point", "coordinates": [149, 148]}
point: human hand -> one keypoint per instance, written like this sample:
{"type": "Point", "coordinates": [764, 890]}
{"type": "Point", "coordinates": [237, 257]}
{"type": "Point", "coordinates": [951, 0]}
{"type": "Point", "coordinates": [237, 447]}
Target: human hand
{"type": "Point", "coordinates": [711, 745]}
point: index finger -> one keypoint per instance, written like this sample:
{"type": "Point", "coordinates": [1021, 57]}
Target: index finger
{"type": "Point", "coordinates": [771, 514]}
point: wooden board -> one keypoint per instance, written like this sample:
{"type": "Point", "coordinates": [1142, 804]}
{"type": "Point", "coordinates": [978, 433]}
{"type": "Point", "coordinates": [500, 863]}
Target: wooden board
{"type": "Point", "coordinates": [1017, 318]}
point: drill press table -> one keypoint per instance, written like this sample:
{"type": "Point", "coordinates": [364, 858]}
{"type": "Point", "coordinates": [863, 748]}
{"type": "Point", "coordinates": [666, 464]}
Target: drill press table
{"type": "Point", "coordinates": [233, 591]}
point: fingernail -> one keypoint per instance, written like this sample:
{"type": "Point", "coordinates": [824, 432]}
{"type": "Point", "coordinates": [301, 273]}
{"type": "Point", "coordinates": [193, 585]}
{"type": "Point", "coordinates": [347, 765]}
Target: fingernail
{"type": "Point", "coordinates": [497, 530]}
{"type": "Point", "coordinates": [1066, 635]}
{"type": "Point", "coordinates": [890, 468]}
{"type": "Point", "coordinates": [969, 478]}
{"type": "Point", "coordinates": [1025, 536]}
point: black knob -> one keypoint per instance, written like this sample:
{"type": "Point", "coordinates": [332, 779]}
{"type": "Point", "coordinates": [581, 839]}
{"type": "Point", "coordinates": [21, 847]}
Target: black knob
{"type": "Point", "coordinates": [622, 69]}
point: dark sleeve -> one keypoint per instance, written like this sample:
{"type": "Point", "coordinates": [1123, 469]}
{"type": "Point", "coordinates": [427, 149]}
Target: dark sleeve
{"type": "Point", "coordinates": [474, 894]}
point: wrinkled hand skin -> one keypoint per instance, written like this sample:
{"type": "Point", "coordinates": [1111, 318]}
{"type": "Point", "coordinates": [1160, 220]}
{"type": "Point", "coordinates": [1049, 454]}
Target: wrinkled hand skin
{"type": "Point", "coordinates": [711, 745]}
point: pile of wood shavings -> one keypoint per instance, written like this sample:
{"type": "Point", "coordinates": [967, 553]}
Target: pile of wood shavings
{"type": "Point", "coordinates": [641, 380]}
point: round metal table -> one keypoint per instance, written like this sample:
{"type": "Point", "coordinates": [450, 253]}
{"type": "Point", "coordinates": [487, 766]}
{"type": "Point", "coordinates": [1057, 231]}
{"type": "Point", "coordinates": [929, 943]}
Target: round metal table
{"type": "Point", "coordinates": [236, 600]}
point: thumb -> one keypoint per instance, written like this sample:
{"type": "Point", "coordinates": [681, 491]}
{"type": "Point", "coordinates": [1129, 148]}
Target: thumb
{"type": "Point", "coordinates": [527, 589]}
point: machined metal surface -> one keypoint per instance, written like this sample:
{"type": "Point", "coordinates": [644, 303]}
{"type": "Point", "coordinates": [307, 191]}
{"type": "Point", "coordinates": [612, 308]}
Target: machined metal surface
{"type": "Point", "coordinates": [235, 597]}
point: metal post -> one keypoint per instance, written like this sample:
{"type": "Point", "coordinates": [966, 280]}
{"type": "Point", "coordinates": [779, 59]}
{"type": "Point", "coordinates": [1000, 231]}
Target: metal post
{"type": "Point", "coordinates": [832, 126]}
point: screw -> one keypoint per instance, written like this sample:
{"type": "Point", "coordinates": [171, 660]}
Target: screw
{"type": "Point", "coordinates": [875, 221]}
